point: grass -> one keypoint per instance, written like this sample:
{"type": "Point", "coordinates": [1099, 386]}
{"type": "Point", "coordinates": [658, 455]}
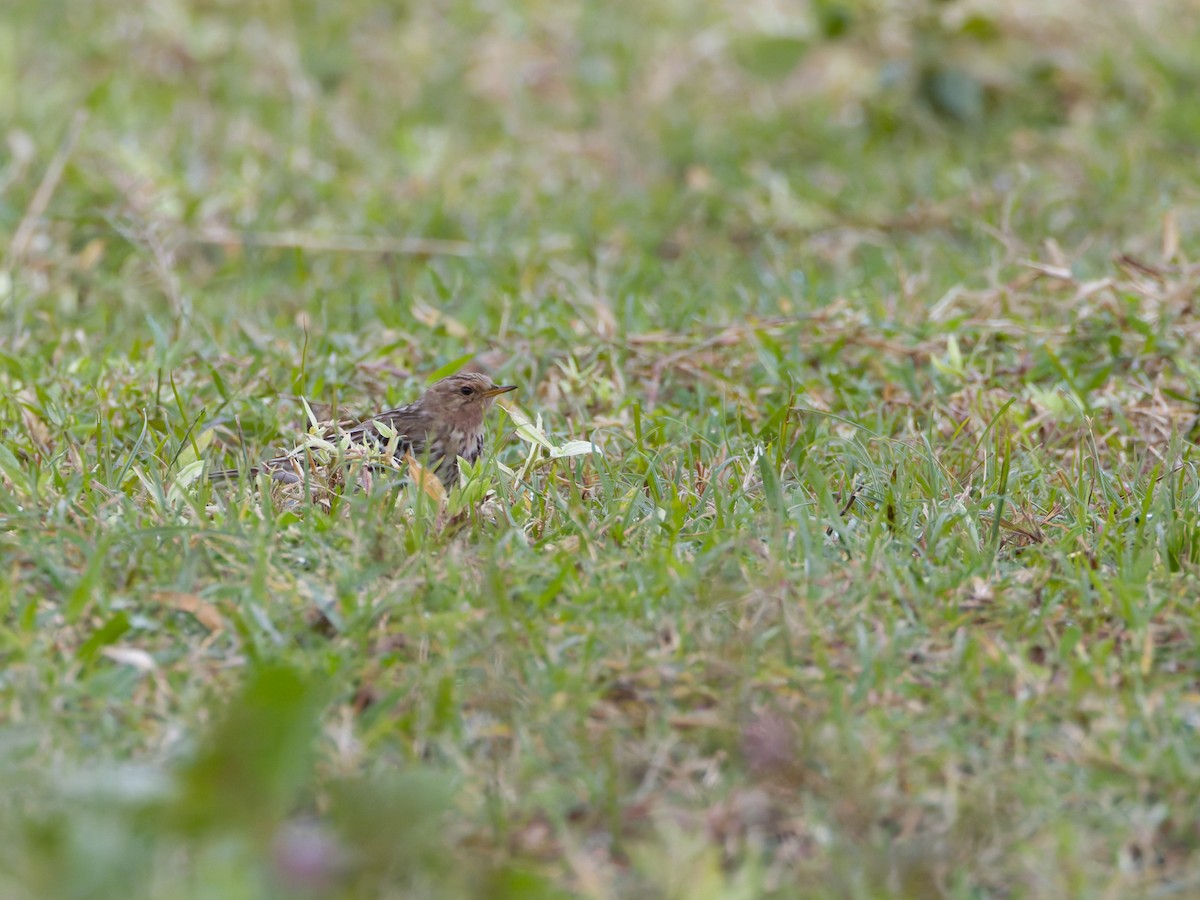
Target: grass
{"type": "Point", "coordinates": [881, 582]}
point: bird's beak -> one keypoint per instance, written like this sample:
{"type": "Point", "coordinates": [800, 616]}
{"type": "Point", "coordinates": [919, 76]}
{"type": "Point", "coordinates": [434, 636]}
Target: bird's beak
{"type": "Point", "coordinates": [502, 389]}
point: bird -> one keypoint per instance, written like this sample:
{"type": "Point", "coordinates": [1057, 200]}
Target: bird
{"type": "Point", "coordinates": [444, 423]}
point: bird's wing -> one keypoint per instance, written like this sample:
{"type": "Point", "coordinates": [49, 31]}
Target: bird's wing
{"type": "Point", "coordinates": [411, 424]}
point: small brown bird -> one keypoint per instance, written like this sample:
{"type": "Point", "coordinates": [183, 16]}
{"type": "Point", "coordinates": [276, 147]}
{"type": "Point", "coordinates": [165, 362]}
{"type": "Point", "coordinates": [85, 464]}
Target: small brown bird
{"type": "Point", "coordinates": [446, 422]}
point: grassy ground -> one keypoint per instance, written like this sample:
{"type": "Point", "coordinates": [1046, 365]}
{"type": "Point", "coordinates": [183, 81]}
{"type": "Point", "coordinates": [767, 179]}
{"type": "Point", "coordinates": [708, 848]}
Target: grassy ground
{"type": "Point", "coordinates": [881, 314]}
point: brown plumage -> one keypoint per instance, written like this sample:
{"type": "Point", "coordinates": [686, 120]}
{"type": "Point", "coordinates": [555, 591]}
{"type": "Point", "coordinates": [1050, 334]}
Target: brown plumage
{"type": "Point", "coordinates": [446, 422]}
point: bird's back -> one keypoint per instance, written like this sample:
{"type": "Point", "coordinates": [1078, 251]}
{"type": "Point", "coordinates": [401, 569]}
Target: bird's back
{"type": "Point", "coordinates": [411, 424]}
{"type": "Point", "coordinates": [444, 424]}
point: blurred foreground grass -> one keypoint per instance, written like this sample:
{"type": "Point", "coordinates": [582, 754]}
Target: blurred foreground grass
{"type": "Point", "coordinates": [881, 313]}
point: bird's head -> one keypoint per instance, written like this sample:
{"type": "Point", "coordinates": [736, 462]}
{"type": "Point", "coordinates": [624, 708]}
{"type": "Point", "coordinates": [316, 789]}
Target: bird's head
{"type": "Point", "coordinates": [467, 395]}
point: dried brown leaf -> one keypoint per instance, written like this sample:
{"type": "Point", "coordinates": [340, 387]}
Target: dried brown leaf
{"type": "Point", "coordinates": [203, 612]}
{"type": "Point", "coordinates": [425, 480]}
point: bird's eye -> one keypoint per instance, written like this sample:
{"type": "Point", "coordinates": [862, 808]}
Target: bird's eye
{"type": "Point", "coordinates": [466, 391]}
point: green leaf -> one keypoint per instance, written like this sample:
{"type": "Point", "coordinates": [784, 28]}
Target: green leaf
{"type": "Point", "coordinates": [11, 467]}
{"type": "Point", "coordinates": [392, 821]}
{"type": "Point", "coordinates": [88, 585]}
{"type": "Point", "coordinates": [312, 418]}
{"type": "Point", "coordinates": [770, 57]}
{"type": "Point", "coordinates": [834, 18]}
{"type": "Point", "coordinates": [108, 633]}
{"type": "Point", "coordinates": [451, 367]}
{"type": "Point", "coordinates": [573, 448]}
{"type": "Point", "coordinates": [528, 431]}
{"type": "Point", "coordinates": [953, 94]}
{"type": "Point", "coordinates": [252, 763]}
{"type": "Point", "coordinates": [981, 28]}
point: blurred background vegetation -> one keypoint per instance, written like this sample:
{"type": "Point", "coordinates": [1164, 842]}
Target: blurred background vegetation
{"type": "Point", "coordinates": [210, 205]}
{"type": "Point", "coordinates": [716, 136]}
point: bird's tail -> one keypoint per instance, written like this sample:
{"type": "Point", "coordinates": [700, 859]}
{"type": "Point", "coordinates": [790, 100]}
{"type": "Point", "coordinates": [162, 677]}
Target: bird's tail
{"type": "Point", "coordinates": [289, 473]}
{"type": "Point", "coordinates": [231, 474]}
